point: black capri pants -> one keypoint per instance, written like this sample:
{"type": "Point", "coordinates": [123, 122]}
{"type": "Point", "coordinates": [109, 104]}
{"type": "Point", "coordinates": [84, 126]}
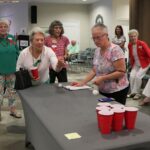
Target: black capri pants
{"type": "Point", "coordinates": [119, 96]}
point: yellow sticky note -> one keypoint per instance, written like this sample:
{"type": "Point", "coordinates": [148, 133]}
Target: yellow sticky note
{"type": "Point", "coordinates": [71, 136]}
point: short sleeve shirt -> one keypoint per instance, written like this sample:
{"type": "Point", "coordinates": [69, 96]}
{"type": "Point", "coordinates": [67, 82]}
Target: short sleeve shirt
{"type": "Point", "coordinates": [104, 65]}
{"type": "Point", "coordinates": [8, 55]}
{"type": "Point", "coordinates": [47, 57]}
{"type": "Point", "coordinates": [59, 47]}
{"type": "Point", "coordinates": [118, 41]}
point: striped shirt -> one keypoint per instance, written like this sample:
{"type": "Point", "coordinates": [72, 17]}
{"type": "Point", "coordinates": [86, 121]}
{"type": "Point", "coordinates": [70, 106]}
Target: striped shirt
{"type": "Point", "coordinates": [59, 47]}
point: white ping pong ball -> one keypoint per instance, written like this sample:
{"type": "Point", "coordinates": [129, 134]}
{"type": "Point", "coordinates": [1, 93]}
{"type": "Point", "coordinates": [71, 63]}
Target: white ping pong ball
{"type": "Point", "coordinates": [60, 85]}
{"type": "Point", "coordinates": [95, 92]}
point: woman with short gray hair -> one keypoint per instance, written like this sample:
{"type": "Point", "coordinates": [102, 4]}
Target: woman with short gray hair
{"type": "Point", "coordinates": [139, 54]}
{"type": "Point", "coordinates": [40, 56]}
{"type": "Point", "coordinates": [133, 31]}
{"type": "Point", "coordinates": [34, 31]}
{"type": "Point", "coordinates": [109, 69]}
{"type": "Point", "coordinates": [8, 57]}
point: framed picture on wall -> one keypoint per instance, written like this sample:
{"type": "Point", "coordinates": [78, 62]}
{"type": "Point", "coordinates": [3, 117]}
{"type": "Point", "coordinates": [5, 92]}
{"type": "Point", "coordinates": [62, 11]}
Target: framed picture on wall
{"type": "Point", "coordinates": [99, 19]}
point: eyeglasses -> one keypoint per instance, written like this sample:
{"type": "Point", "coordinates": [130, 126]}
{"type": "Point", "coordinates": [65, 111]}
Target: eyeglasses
{"type": "Point", "coordinates": [99, 37]}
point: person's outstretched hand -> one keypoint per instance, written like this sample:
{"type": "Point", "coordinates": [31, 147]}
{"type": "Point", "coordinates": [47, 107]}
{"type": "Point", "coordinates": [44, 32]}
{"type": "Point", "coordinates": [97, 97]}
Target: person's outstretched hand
{"type": "Point", "coordinates": [77, 84]}
{"type": "Point", "coordinates": [60, 63]}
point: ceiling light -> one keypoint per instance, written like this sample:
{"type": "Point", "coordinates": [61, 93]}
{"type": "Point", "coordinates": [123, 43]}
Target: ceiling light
{"type": "Point", "coordinates": [15, 1]}
{"type": "Point", "coordinates": [9, 1]}
{"type": "Point", "coordinates": [84, 0]}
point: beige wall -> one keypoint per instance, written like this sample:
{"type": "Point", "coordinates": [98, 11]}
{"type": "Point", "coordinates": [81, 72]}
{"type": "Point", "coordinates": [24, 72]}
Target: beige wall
{"type": "Point", "coordinates": [104, 8]}
{"type": "Point", "coordinates": [121, 15]}
{"type": "Point", "coordinates": [18, 14]}
{"type": "Point", "coordinates": [66, 13]}
{"type": "Point", "coordinates": [113, 11]}
{"type": "Point", "coordinates": [121, 9]}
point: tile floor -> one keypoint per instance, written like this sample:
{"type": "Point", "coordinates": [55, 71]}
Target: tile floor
{"type": "Point", "coordinates": [12, 131]}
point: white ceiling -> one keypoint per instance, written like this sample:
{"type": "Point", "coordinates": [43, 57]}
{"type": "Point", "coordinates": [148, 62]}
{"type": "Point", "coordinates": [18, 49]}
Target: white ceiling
{"type": "Point", "coordinates": [63, 1]}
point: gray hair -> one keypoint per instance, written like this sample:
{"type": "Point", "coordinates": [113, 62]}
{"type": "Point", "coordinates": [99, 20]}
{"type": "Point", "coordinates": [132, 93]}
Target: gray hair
{"type": "Point", "coordinates": [133, 31]}
{"type": "Point", "coordinates": [6, 21]}
{"type": "Point", "coordinates": [102, 26]}
{"type": "Point", "coordinates": [34, 31]}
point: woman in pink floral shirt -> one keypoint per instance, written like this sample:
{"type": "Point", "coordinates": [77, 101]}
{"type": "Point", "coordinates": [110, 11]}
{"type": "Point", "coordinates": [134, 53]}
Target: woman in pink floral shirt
{"type": "Point", "coordinates": [109, 67]}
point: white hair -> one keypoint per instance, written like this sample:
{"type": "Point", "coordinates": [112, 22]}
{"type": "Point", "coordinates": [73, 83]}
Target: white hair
{"type": "Point", "coordinates": [102, 26]}
{"type": "Point", "coordinates": [6, 21]}
{"type": "Point", "coordinates": [34, 31]}
{"type": "Point", "coordinates": [133, 31]}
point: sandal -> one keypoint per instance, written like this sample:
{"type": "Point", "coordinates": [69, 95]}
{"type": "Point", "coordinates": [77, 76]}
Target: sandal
{"type": "Point", "coordinates": [146, 101]}
{"type": "Point", "coordinates": [137, 96]}
{"type": "Point", "coordinates": [131, 95]}
{"type": "Point", "coordinates": [15, 115]}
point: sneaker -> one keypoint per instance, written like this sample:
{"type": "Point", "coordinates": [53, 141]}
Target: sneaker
{"type": "Point", "coordinates": [131, 95]}
{"type": "Point", "coordinates": [137, 96]}
{"type": "Point", "coordinates": [15, 115]}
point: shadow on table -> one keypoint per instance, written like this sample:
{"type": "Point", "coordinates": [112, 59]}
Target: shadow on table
{"type": "Point", "coordinates": [16, 129]}
{"type": "Point", "coordinates": [124, 132]}
{"type": "Point", "coordinates": [144, 146]}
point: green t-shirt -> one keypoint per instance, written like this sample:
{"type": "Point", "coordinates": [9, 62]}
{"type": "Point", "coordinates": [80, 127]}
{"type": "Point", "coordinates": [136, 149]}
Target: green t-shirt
{"type": "Point", "coordinates": [8, 55]}
{"type": "Point", "coordinates": [73, 49]}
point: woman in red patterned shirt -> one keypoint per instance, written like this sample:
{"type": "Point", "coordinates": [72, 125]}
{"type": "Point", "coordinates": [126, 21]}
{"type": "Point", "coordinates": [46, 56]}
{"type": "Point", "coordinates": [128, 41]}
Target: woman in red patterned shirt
{"type": "Point", "coordinates": [58, 42]}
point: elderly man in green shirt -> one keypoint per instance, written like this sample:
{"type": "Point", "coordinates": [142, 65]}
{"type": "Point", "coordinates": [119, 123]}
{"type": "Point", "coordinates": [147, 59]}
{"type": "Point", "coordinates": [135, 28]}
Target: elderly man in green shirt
{"type": "Point", "coordinates": [8, 57]}
{"type": "Point", "coordinates": [73, 50]}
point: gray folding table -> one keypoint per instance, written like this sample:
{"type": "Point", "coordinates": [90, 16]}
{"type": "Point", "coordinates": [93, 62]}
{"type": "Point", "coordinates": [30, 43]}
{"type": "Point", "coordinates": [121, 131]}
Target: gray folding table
{"type": "Point", "coordinates": [51, 111]}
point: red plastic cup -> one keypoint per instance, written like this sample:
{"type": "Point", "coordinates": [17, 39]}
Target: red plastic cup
{"type": "Point", "coordinates": [100, 109]}
{"type": "Point", "coordinates": [118, 106]}
{"type": "Point", "coordinates": [130, 117]}
{"type": "Point", "coordinates": [35, 73]}
{"type": "Point", "coordinates": [97, 110]}
{"type": "Point", "coordinates": [101, 104]}
{"type": "Point", "coordinates": [118, 118]}
{"type": "Point", "coordinates": [105, 118]}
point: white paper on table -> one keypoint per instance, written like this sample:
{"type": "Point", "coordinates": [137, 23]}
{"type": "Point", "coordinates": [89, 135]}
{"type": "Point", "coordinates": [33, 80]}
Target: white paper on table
{"type": "Point", "coordinates": [73, 88]}
{"type": "Point", "coordinates": [71, 136]}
